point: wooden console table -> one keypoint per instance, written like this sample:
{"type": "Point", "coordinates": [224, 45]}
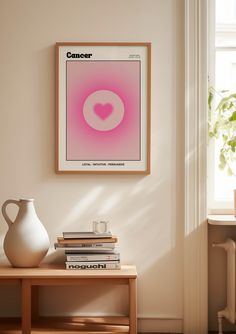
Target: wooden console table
{"type": "Point", "coordinates": [29, 279]}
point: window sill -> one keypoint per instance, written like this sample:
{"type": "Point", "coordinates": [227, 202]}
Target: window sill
{"type": "Point", "coordinates": [224, 220]}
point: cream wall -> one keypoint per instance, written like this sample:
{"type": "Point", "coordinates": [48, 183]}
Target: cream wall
{"type": "Point", "coordinates": [146, 212]}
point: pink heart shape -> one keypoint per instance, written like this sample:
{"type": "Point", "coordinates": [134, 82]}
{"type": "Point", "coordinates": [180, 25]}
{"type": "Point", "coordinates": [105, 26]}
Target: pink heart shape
{"type": "Point", "coordinates": [103, 111]}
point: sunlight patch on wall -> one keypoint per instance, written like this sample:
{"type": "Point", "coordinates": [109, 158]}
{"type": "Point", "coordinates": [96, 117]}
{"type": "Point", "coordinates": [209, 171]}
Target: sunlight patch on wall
{"type": "Point", "coordinates": [82, 205]}
{"type": "Point", "coordinates": [144, 184]}
{"type": "Point", "coordinates": [110, 203]}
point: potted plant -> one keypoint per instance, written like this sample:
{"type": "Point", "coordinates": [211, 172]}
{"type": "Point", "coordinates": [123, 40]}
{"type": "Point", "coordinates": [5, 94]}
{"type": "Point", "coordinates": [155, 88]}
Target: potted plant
{"type": "Point", "coordinates": [222, 126]}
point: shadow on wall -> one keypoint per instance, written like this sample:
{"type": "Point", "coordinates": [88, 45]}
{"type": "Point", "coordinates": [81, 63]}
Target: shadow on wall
{"type": "Point", "coordinates": [87, 300]}
{"type": "Point", "coordinates": [147, 237]}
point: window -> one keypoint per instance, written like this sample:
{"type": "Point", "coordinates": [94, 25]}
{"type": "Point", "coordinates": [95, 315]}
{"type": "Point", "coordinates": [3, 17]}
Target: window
{"type": "Point", "coordinates": [222, 76]}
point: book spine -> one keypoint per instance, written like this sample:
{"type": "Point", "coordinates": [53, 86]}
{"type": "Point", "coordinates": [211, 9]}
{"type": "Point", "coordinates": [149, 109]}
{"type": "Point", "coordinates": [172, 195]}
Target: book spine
{"type": "Point", "coordinates": [61, 240]}
{"type": "Point", "coordinates": [85, 249]}
{"type": "Point", "coordinates": [92, 245]}
{"type": "Point", "coordinates": [78, 251]}
{"type": "Point", "coordinates": [92, 265]}
{"type": "Point", "coordinates": [100, 247]}
{"type": "Point", "coordinates": [81, 258]}
{"type": "Point", "coordinates": [78, 235]}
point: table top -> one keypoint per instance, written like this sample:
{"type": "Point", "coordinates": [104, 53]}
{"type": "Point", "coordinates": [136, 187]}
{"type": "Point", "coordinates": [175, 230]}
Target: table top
{"type": "Point", "coordinates": [59, 271]}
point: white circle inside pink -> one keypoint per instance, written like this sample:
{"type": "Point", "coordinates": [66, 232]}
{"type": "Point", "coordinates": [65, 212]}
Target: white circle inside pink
{"type": "Point", "coordinates": [103, 110]}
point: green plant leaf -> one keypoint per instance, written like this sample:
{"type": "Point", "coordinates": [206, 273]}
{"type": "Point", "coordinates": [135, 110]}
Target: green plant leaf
{"type": "Point", "coordinates": [225, 137]}
{"type": "Point", "coordinates": [222, 163]}
{"type": "Point", "coordinates": [232, 142]}
{"type": "Point", "coordinates": [222, 126]}
{"type": "Point", "coordinates": [224, 91]}
{"type": "Point", "coordinates": [210, 99]}
{"type": "Point", "coordinates": [229, 171]}
{"type": "Point", "coordinates": [224, 102]}
{"type": "Point", "coordinates": [233, 117]}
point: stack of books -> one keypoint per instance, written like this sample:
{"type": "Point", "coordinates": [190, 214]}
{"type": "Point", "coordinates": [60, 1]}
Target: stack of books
{"type": "Point", "coordinates": [89, 250]}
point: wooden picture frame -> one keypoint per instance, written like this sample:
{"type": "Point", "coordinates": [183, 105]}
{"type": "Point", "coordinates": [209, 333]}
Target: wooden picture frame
{"type": "Point", "coordinates": [103, 107]}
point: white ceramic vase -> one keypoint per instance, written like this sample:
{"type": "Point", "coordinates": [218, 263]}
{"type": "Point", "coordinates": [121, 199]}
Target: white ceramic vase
{"type": "Point", "coordinates": [26, 242]}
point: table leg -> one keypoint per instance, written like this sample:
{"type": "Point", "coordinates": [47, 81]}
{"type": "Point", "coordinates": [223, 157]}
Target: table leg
{"type": "Point", "coordinates": [26, 306]}
{"type": "Point", "coordinates": [133, 306]}
{"type": "Point", "coordinates": [35, 302]}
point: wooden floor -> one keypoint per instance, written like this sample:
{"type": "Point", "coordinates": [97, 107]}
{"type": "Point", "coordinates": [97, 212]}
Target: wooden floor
{"type": "Point", "coordinates": [64, 325]}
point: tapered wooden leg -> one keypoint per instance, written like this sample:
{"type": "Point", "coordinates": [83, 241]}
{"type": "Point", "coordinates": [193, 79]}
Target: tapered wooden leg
{"type": "Point", "coordinates": [26, 306]}
{"type": "Point", "coordinates": [133, 306]}
{"type": "Point", "coordinates": [35, 302]}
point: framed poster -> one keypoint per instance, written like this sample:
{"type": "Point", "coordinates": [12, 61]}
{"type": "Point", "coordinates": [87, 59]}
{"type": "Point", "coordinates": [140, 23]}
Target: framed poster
{"type": "Point", "coordinates": [103, 107]}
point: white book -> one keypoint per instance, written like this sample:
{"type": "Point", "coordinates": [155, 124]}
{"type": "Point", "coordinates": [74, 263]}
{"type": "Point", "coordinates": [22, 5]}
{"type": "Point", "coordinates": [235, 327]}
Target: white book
{"type": "Point", "coordinates": [86, 247]}
{"type": "Point", "coordinates": [84, 235]}
{"type": "Point", "coordinates": [93, 265]}
{"type": "Point", "coordinates": [82, 245]}
{"type": "Point", "coordinates": [93, 257]}
{"type": "Point", "coordinates": [73, 250]}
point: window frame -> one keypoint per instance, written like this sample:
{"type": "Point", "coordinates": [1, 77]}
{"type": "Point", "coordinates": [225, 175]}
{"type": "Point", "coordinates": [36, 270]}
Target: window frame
{"type": "Point", "coordinates": [215, 206]}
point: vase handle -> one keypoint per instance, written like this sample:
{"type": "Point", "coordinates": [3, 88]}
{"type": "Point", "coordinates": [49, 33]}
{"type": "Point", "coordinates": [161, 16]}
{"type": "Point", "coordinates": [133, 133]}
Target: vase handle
{"type": "Point", "coordinates": [4, 212]}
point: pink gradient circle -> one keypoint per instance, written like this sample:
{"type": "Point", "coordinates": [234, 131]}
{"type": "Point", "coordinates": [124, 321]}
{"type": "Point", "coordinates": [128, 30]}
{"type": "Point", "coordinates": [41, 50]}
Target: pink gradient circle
{"type": "Point", "coordinates": [103, 110]}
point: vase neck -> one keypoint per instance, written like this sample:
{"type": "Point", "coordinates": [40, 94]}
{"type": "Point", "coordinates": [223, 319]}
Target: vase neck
{"type": "Point", "coordinates": [27, 205]}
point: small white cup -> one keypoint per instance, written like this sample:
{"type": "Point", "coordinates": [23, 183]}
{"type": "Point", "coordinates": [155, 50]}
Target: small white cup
{"type": "Point", "coordinates": [101, 226]}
